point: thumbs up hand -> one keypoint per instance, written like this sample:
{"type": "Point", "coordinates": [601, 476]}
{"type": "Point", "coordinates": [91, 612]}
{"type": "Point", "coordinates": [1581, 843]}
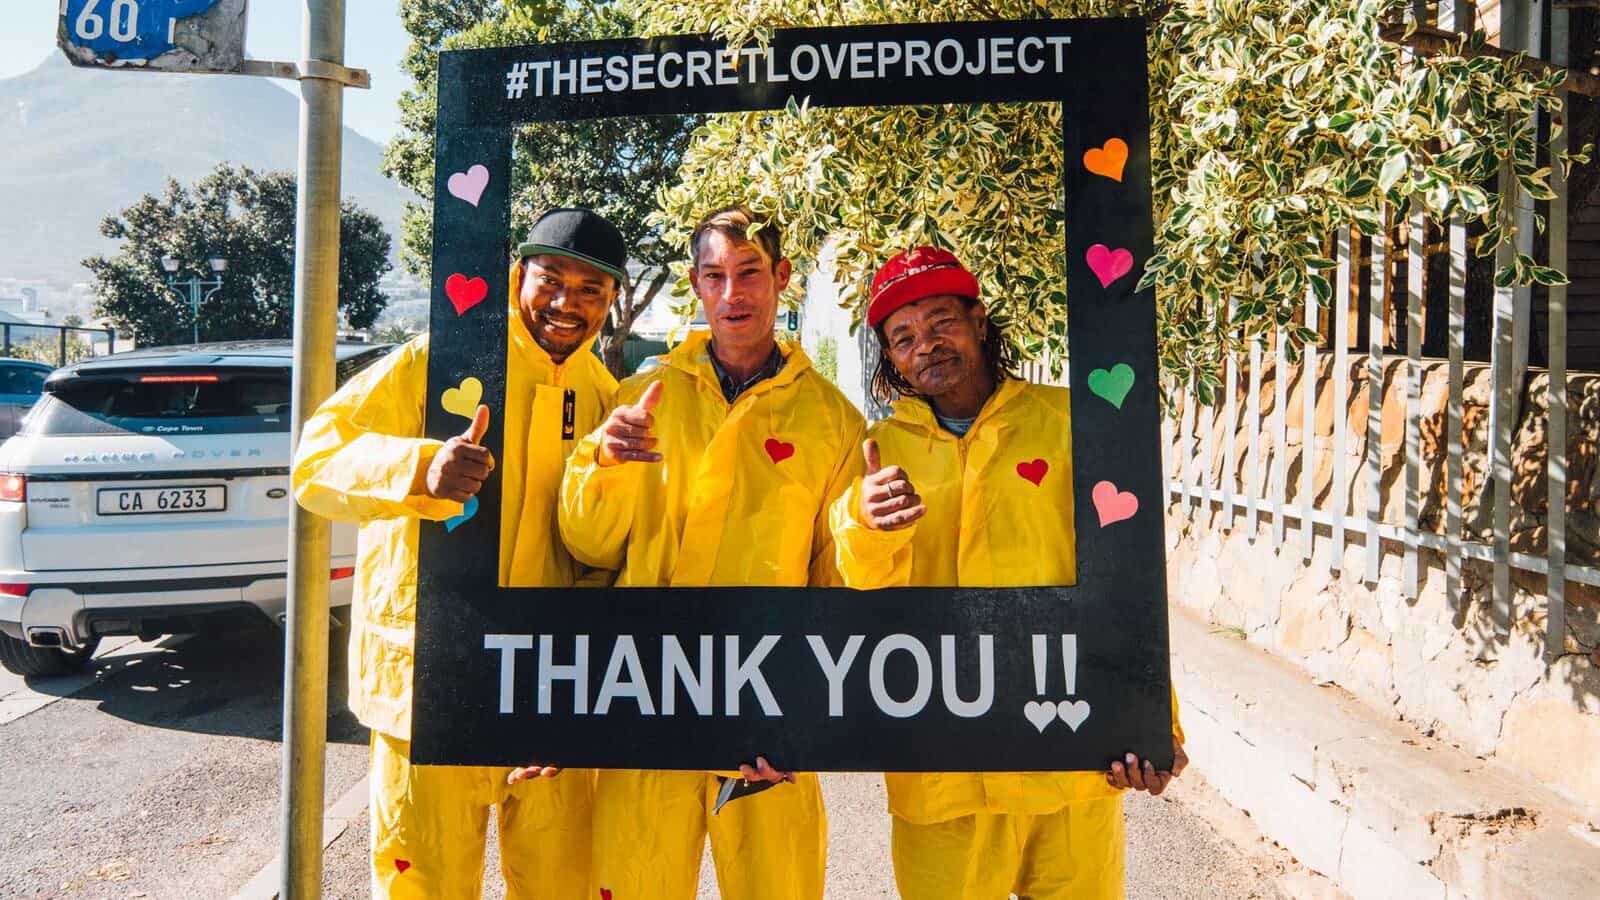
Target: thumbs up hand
{"type": "Point", "coordinates": [461, 465]}
{"type": "Point", "coordinates": [628, 435]}
{"type": "Point", "coordinates": [889, 502]}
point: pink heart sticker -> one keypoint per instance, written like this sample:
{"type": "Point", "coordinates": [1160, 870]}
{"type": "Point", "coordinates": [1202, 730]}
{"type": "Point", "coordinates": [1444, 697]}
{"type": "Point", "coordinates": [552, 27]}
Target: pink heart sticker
{"type": "Point", "coordinates": [469, 185]}
{"type": "Point", "coordinates": [401, 865]}
{"type": "Point", "coordinates": [1113, 505]}
{"type": "Point", "coordinates": [1109, 264]}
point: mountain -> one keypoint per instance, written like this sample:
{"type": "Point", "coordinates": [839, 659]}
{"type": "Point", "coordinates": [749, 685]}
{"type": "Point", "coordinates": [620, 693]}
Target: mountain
{"type": "Point", "coordinates": [79, 144]}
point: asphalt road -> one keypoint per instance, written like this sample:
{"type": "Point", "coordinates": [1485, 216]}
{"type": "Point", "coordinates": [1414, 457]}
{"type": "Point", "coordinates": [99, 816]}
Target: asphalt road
{"type": "Point", "coordinates": [157, 776]}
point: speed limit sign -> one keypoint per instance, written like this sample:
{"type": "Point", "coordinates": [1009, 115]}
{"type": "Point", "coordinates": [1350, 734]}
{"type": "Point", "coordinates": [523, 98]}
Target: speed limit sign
{"type": "Point", "coordinates": [168, 35]}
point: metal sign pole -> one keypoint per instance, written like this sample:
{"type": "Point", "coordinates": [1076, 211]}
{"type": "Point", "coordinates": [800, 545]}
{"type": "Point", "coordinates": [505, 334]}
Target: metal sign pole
{"type": "Point", "coordinates": [316, 284]}
{"type": "Point", "coordinates": [182, 36]}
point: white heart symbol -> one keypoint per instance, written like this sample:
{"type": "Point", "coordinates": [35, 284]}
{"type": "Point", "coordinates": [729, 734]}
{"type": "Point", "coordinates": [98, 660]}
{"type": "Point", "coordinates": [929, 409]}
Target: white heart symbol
{"type": "Point", "coordinates": [469, 185]}
{"type": "Point", "coordinates": [1072, 712]}
{"type": "Point", "coordinates": [1040, 714]}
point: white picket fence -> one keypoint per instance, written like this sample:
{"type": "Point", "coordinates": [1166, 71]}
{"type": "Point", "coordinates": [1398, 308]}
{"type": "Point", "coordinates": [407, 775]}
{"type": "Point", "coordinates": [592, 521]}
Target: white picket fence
{"type": "Point", "coordinates": [1256, 488]}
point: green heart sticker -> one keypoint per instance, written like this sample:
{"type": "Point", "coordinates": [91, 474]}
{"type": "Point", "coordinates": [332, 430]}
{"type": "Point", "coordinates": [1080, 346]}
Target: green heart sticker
{"type": "Point", "coordinates": [1112, 386]}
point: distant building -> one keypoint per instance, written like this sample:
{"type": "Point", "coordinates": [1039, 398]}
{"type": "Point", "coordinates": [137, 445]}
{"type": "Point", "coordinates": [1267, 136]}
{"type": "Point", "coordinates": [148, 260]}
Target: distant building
{"type": "Point", "coordinates": [19, 295]}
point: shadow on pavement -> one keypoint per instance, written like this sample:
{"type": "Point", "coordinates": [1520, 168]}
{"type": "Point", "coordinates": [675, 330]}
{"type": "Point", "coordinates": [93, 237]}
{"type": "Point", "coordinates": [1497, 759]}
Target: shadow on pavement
{"type": "Point", "coordinates": [226, 684]}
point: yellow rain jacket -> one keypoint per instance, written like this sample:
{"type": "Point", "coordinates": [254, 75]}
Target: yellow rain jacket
{"type": "Point", "coordinates": [1000, 514]}
{"type": "Point", "coordinates": [356, 461]}
{"type": "Point", "coordinates": [740, 498]}
{"type": "Point", "coordinates": [742, 495]}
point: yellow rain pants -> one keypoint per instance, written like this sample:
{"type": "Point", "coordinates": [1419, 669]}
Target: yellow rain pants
{"type": "Point", "coordinates": [740, 498]}
{"type": "Point", "coordinates": [1075, 853]}
{"type": "Point", "coordinates": [356, 460]}
{"type": "Point", "coordinates": [429, 825]}
{"type": "Point", "coordinates": [987, 496]}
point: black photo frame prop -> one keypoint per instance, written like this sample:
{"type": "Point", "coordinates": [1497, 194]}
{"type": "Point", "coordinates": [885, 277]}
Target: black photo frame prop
{"type": "Point", "coordinates": [1079, 673]}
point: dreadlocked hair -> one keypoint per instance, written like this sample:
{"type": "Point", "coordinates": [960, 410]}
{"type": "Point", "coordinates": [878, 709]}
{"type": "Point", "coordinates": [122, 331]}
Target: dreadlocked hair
{"type": "Point", "coordinates": [999, 357]}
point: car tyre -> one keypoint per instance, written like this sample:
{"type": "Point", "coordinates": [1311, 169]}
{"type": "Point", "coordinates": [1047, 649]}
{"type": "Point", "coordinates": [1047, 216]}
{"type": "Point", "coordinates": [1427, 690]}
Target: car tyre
{"type": "Point", "coordinates": [19, 658]}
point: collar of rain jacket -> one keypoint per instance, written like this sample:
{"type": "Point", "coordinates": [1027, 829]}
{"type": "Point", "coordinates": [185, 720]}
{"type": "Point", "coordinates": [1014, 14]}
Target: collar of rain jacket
{"type": "Point", "coordinates": [522, 341]}
{"type": "Point", "coordinates": [694, 356]}
{"type": "Point", "coordinates": [917, 411]}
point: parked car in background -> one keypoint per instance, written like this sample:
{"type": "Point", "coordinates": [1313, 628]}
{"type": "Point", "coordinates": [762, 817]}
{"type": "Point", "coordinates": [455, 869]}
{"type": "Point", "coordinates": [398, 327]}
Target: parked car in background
{"type": "Point", "coordinates": [148, 493]}
{"type": "Point", "coordinates": [21, 381]}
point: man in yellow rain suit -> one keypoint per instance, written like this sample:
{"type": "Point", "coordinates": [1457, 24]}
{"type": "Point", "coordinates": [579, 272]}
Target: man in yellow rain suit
{"type": "Point", "coordinates": [717, 470]}
{"type": "Point", "coordinates": [362, 458]}
{"type": "Point", "coordinates": [968, 505]}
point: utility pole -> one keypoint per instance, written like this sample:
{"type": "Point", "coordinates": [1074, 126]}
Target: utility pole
{"type": "Point", "coordinates": [174, 36]}
{"type": "Point", "coordinates": [316, 282]}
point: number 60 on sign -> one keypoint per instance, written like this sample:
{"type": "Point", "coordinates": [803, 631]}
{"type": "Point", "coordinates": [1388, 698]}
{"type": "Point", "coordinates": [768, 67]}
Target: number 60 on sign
{"type": "Point", "coordinates": [164, 35]}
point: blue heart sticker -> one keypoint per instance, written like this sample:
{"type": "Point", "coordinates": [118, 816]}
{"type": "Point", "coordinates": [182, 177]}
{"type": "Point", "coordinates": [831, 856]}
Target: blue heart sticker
{"type": "Point", "coordinates": [468, 510]}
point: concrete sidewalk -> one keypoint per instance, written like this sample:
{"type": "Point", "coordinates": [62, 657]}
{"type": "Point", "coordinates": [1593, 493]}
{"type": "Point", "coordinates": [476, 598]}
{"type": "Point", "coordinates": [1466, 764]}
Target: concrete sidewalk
{"type": "Point", "coordinates": [1379, 808]}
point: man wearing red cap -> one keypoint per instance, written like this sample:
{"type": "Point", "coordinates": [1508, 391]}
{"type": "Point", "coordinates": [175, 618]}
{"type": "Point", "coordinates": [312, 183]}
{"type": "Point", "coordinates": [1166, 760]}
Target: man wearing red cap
{"type": "Point", "coordinates": [969, 505]}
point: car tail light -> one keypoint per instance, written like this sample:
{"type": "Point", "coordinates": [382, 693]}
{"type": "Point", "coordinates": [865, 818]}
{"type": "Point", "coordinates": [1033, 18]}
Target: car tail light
{"type": "Point", "coordinates": [178, 379]}
{"type": "Point", "coordinates": [14, 488]}
{"type": "Point", "coordinates": [14, 590]}
{"type": "Point", "coordinates": [341, 573]}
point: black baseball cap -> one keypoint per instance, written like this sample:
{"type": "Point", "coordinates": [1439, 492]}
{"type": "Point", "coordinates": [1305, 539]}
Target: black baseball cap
{"type": "Point", "coordinates": [580, 234]}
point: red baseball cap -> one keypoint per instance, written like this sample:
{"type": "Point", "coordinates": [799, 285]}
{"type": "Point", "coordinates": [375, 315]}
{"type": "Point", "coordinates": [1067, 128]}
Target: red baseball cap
{"type": "Point", "coordinates": [917, 274]}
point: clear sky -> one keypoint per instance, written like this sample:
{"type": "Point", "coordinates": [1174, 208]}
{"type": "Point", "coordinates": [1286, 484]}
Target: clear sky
{"type": "Point", "coordinates": [374, 40]}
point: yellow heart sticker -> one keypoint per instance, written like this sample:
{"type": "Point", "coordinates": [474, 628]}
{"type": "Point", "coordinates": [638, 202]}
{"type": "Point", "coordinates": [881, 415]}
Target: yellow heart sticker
{"type": "Point", "coordinates": [463, 401]}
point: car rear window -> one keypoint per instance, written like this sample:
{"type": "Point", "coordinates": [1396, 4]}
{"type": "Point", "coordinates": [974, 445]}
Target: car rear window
{"type": "Point", "coordinates": [164, 404]}
{"type": "Point", "coordinates": [25, 380]}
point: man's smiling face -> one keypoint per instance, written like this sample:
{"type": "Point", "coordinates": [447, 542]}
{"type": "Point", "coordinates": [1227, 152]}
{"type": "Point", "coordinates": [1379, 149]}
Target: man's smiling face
{"type": "Point", "coordinates": [563, 302]}
{"type": "Point", "coordinates": [936, 343]}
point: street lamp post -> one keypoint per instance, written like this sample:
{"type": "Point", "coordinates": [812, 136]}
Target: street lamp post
{"type": "Point", "coordinates": [194, 286]}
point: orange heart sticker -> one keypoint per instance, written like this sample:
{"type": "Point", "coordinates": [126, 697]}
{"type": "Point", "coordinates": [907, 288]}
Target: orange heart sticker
{"type": "Point", "coordinates": [1107, 160]}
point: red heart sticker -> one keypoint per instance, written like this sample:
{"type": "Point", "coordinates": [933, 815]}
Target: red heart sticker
{"type": "Point", "coordinates": [1033, 471]}
{"type": "Point", "coordinates": [779, 450]}
{"type": "Point", "coordinates": [605, 894]}
{"type": "Point", "coordinates": [464, 292]}
{"type": "Point", "coordinates": [400, 865]}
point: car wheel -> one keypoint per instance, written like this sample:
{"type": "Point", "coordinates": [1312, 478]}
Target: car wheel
{"type": "Point", "coordinates": [42, 662]}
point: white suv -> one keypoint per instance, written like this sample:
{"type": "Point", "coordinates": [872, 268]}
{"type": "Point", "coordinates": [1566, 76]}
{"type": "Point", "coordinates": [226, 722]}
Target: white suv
{"type": "Point", "coordinates": [148, 493]}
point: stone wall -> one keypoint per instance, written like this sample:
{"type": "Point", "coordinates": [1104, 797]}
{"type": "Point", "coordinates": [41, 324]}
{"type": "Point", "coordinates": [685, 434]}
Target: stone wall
{"type": "Point", "coordinates": [1436, 661]}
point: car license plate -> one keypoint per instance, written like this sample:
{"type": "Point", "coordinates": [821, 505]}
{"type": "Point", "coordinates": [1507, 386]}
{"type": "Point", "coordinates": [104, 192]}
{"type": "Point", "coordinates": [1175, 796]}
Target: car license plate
{"type": "Point", "coordinates": [166, 499]}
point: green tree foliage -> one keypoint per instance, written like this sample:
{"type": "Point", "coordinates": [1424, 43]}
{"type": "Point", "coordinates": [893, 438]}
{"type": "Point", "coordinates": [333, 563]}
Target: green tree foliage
{"type": "Point", "coordinates": [614, 166]}
{"type": "Point", "coordinates": [397, 332]}
{"type": "Point", "coordinates": [248, 218]}
{"type": "Point", "coordinates": [47, 348]}
{"type": "Point", "coordinates": [827, 361]}
{"type": "Point", "coordinates": [1274, 122]}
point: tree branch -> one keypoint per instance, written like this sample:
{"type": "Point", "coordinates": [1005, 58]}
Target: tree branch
{"type": "Point", "coordinates": [657, 282]}
{"type": "Point", "coordinates": [1429, 41]}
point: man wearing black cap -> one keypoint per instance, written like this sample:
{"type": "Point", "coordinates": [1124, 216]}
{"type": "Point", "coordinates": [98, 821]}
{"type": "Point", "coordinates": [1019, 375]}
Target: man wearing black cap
{"type": "Point", "coordinates": [362, 458]}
